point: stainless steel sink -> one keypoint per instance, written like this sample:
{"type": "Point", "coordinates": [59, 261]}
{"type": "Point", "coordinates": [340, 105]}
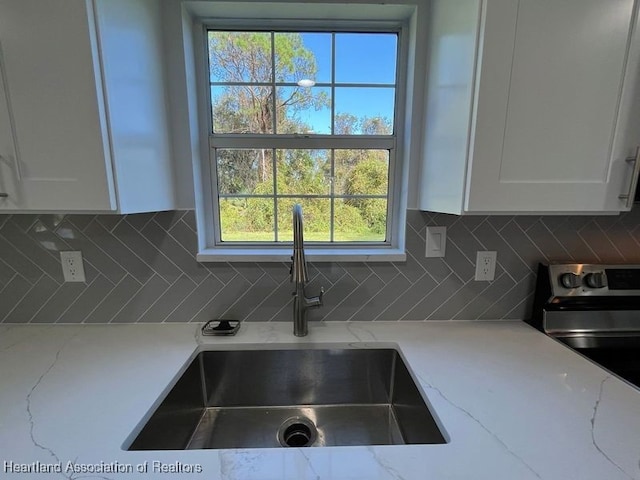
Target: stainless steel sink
{"type": "Point", "coordinates": [294, 397]}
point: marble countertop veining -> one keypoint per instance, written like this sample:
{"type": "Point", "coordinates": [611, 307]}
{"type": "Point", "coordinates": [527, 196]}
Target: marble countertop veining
{"type": "Point", "coordinates": [515, 405]}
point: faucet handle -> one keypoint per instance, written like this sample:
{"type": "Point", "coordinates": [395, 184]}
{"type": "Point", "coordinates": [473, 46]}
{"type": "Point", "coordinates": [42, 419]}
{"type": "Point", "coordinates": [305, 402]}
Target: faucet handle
{"type": "Point", "coordinates": [314, 302]}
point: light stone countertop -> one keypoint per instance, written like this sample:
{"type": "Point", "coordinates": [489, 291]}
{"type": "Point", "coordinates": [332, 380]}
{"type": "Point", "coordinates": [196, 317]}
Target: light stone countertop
{"type": "Point", "coordinates": [515, 405]}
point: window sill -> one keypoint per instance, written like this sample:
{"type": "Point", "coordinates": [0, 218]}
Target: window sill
{"type": "Point", "coordinates": [311, 254]}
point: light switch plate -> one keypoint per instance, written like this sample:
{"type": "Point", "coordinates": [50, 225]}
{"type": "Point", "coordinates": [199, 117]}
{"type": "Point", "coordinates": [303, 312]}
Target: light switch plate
{"type": "Point", "coordinates": [436, 241]}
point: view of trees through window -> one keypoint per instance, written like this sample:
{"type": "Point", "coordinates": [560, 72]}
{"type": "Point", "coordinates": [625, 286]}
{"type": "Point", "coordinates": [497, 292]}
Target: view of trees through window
{"type": "Point", "coordinates": [302, 118]}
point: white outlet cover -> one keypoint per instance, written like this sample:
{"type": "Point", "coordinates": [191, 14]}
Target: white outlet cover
{"type": "Point", "coordinates": [486, 266]}
{"type": "Point", "coordinates": [72, 266]}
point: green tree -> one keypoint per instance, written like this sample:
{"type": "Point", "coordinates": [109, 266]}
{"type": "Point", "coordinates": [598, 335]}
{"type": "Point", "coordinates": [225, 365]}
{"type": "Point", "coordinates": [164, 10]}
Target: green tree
{"type": "Point", "coordinates": [370, 177]}
{"type": "Point", "coordinates": [246, 57]}
{"type": "Point", "coordinates": [241, 63]}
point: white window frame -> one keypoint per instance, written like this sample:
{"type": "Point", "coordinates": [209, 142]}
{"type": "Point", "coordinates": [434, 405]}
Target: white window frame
{"type": "Point", "coordinates": [209, 236]}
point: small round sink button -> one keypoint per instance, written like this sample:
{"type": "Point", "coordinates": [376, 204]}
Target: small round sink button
{"type": "Point", "coordinates": [570, 280]}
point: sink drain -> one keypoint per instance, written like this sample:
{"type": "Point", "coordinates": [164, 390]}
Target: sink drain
{"type": "Point", "coordinates": [297, 432]}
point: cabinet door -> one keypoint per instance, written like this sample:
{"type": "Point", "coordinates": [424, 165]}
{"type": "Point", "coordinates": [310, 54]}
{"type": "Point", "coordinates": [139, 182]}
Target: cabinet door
{"type": "Point", "coordinates": [547, 107]}
{"type": "Point", "coordinates": [54, 92]}
{"type": "Point", "coordinates": [9, 192]}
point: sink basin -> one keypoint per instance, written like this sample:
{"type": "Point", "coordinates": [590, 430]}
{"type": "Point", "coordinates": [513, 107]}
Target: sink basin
{"type": "Point", "coordinates": [291, 397]}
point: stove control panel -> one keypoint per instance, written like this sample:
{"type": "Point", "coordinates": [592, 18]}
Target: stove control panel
{"type": "Point", "coordinates": [574, 280]}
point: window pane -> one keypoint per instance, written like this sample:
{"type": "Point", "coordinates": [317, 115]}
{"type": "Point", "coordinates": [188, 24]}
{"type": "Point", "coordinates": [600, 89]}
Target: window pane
{"type": "Point", "coordinates": [244, 171]}
{"type": "Point", "coordinates": [303, 56]}
{"type": "Point", "coordinates": [364, 111]}
{"type": "Point", "coordinates": [316, 214]}
{"type": "Point", "coordinates": [303, 172]}
{"type": "Point", "coordinates": [242, 109]}
{"type": "Point", "coordinates": [304, 110]}
{"type": "Point", "coordinates": [360, 220]}
{"type": "Point", "coordinates": [246, 220]}
{"type": "Point", "coordinates": [366, 57]}
{"type": "Point", "coordinates": [257, 88]}
{"type": "Point", "coordinates": [240, 57]}
{"type": "Point", "coordinates": [361, 172]}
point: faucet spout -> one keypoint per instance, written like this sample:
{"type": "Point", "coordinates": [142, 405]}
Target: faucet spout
{"type": "Point", "coordinates": [299, 268]}
{"type": "Point", "coordinates": [300, 276]}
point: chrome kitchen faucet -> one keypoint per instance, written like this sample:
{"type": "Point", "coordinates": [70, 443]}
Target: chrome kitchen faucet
{"type": "Point", "coordinates": [299, 275]}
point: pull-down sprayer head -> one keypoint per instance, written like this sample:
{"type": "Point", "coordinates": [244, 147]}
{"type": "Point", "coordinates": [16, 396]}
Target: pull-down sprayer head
{"type": "Point", "coordinates": [299, 268]}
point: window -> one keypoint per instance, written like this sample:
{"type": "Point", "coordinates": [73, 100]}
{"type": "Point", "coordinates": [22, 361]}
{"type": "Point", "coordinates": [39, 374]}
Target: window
{"type": "Point", "coordinates": [303, 117]}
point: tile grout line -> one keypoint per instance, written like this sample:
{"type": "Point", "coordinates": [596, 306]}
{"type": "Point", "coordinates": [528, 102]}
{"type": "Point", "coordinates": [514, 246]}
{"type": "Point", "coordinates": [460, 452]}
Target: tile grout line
{"type": "Point", "coordinates": [218, 293]}
{"type": "Point", "coordinates": [166, 256]}
{"type": "Point", "coordinates": [345, 298]}
{"type": "Point", "coordinates": [204, 306]}
{"type": "Point", "coordinates": [367, 302]}
{"type": "Point", "coordinates": [44, 304]}
{"type": "Point", "coordinates": [472, 261]}
{"type": "Point", "coordinates": [139, 230]}
{"type": "Point", "coordinates": [278, 286]}
{"type": "Point", "coordinates": [5, 220]}
{"type": "Point", "coordinates": [169, 285]}
{"type": "Point", "coordinates": [569, 255]}
{"type": "Point", "coordinates": [157, 250]}
{"type": "Point", "coordinates": [133, 295]}
{"type": "Point", "coordinates": [453, 270]}
{"type": "Point", "coordinates": [609, 240]}
{"type": "Point", "coordinates": [578, 232]}
{"type": "Point", "coordinates": [15, 274]}
{"type": "Point", "coordinates": [423, 298]}
{"type": "Point", "coordinates": [22, 256]}
{"type": "Point", "coordinates": [21, 298]}
{"type": "Point", "coordinates": [500, 298]}
{"type": "Point", "coordinates": [117, 239]}
{"type": "Point", "coordinates": [514, 251]}
{"type": "Point", "coordinates": [115, 260]}
{"type": "Point", "coordinates": [398, 298]}
{"type": "Point", "coordinates": [447, 299]}
{"type": "Point", "coordinates": [241, 296]}
{"type": "Point", "coordinates": [160, 297]}
{"type": "Point", "coordinates": [554, 237]}
{"type": "Point", "coordinates": [84, 320]}
{"type": "Point", "coordinates": [518, 305]}
{"type": "Point", "coordinates": [168, 232]}
{"type": "Point", "coordinates": [183, 248]}
{"type": "Point", "coordinates": [377, 275]}
{"type": "Point", "coordinates": [502, 274]}
{"type": "Point", "coordinates": [78, 297]}
{"type": "Point", "coordinates": [38, 246]}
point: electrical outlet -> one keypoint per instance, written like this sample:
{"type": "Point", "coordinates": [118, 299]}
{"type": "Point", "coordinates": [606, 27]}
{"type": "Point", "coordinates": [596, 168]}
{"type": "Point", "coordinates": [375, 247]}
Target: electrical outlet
{"type": "Point", "coordinates": [72, 267]}
{"type": "Point", "coordinates": [486, 266]}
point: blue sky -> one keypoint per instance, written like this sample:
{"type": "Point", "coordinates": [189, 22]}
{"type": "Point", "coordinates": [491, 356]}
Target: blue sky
{"type": "Point", "coordinates": [360, 58]}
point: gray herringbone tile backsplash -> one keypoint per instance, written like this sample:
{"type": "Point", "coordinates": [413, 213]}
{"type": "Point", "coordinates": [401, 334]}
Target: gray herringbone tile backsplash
{"type": "Point", "coordinates": [142, 268]}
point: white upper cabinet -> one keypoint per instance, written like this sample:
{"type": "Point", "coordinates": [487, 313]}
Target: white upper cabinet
{"type": "Point", "coordinates": [532, 106]}
{"type": "Point", "coordinates": [8, 157]}
{"type": "Point", "coordinates": [83, 122]}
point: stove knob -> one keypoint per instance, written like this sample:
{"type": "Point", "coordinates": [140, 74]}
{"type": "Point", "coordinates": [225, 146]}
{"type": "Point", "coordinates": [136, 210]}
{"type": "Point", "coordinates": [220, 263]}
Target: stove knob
{"type": "Point", "coordinates": [570, 280]}
{"type": "Point", "coordinates": [596, 280]}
